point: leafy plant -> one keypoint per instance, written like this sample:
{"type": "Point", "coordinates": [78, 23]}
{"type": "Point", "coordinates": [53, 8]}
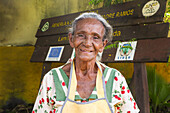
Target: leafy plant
{"type": "Point", "coordinates": [116, 44]}
{"type": "Point", "coordinates": [158, 92]}
{"type": "Point", "coordinates": [107, 2]}
{"type": "Point", "coordinates": [95, 2]}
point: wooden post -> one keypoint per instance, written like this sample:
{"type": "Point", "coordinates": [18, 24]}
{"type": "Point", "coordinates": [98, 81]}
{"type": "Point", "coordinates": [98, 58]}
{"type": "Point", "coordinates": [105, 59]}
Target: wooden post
{"type": "Point", "coordinates": [139, 87]}
{"type": "Point", "coordinates": [46, 67]}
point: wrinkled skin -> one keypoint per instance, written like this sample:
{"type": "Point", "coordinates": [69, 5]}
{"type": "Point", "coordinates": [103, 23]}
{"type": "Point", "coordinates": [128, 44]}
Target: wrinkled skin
{"type": "Point", "coordinates": [87, 41]}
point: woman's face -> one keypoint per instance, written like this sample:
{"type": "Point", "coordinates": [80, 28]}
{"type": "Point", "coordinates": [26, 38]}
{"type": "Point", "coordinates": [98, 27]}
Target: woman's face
{"type": "Point", "coordinates": [87, 39]}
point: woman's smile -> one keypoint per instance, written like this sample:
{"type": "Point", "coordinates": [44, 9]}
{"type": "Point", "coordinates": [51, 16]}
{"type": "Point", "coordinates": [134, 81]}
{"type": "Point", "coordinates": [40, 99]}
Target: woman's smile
{"type": "Point", "coordinates": [86, 51]}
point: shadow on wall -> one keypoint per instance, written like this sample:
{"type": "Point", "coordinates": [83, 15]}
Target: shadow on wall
{"type": "Point", "coordinates": [15, 105]}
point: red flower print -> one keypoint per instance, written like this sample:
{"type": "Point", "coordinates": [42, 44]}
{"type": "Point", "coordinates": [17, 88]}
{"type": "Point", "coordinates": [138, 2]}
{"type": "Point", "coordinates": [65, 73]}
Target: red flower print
{"type": "Point", "coordinates": [116, 78]}
{"type": "Point", "coordinates": [134, 107]}
{"type": "Point", "coordinates": [134, 103]}
{"type": "Point", "coordinates": [128, 112]}
{"type": "Point", "coordinates": [50, 112]}
{"type": "Point", "coordinates": [54, 110]}
{"type": "Point", "coordinates": [105, 82]}
{"type": "Point", "coordinates": [128, 91]}
{"type": "Point", "coordinates": [70, 60]}
{"type": "Point", "coordinates": [123, 87]}
{"type": "Point", "coordinates": [48, 88]}
{"type": "Point", "coordinates": [52, 102]}
{"type": "Point", "coordinates": [123, 92]}
{"type": "Point", "coordinates": [84, 101]}
{"type": "Point", "coordinates": [40, 102]}
{"type": "Point", "coordinates": [116, 96]}
{"type": "Point", "coordinates": [47, 100]}
{"type": "Point", "coordinates": [63, 84]}
{"type": "Point", "coordinates": [118, 108]}
{"type": "Point", "coordinates": [33, 111]}
{"type": "Point", "coordinates": [130, 98]}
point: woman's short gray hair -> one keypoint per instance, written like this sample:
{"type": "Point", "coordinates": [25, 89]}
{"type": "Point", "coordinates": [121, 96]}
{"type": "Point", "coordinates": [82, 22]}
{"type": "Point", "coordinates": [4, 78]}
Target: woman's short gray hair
{"type": "Point", "coordinates": [107, 26]}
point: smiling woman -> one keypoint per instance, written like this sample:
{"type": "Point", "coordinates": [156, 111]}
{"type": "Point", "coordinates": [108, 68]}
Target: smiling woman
{"type": "Point", "coordinates": [87, 39]}
{"type": "Point", "coordinates": [85, 85]}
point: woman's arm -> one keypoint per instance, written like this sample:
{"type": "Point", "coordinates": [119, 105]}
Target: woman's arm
{"type": "Point", "coordinates": [122, 97]}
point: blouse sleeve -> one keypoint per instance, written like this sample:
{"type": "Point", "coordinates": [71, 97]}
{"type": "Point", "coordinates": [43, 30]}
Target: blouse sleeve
{"type": "Point", "coordinates": [44, 100]}
{"type": "Point", "coordinates": [122, 98]}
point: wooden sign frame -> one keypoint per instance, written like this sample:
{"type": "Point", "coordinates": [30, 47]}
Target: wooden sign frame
{"type": "Point", "coordinates": [128, 22]}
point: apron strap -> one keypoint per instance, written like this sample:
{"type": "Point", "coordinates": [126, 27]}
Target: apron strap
{"type": "Point", "coordinates": [72, 83]}
{"type": "Point", "coordinates": [100, 82]}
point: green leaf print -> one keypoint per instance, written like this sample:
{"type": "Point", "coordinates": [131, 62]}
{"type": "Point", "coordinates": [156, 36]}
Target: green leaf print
{"type": "Point", "coordinates": [116, 91]}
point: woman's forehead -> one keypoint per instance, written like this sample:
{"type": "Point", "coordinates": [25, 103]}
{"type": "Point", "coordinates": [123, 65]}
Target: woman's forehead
{"type": "Point", "coordinates": [89, 21]}
{"type": "Point", "coordinates": [90, 25]}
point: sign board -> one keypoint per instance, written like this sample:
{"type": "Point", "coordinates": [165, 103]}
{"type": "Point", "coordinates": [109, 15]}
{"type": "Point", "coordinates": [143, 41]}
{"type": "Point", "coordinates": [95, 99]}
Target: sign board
{"type": "Point", "coordinates": [128, 23]}
{"type": "Point", "coordinates": [129, 13]}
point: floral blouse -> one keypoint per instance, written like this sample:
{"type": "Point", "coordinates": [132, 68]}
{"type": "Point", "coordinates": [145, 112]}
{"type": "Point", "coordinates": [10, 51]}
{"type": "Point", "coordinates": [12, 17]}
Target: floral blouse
{"type": "Point", "coordinates": [121, 98]}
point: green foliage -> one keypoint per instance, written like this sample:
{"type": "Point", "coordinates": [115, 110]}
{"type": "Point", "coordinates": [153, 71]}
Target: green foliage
{"type": "Point", "coordinates": [116, 44]}
{"type": "Point", "coordinates": [158, 92]}
{"type": "Point", "coordinates": [167, 17]}
{"type": "Point", "coordinates": [107, 2]}
{"type": "Point", "coordinates": [130, 47]}
{"type": "Point", "coordinates": [95, 2]}
{"type": "Point", "coordinates": [167, 13]}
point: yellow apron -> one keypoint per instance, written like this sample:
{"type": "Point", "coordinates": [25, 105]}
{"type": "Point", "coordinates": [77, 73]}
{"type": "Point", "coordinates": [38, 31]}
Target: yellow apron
{"type": "Point", "coordinates": [100, 105]}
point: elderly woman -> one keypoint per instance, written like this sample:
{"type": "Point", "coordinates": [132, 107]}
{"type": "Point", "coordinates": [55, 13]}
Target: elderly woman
{"type": "Point", "coordinates": [86, 85]}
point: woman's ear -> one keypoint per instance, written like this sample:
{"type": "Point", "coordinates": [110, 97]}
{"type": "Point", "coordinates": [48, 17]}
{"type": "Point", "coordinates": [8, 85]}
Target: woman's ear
{"type": "Point", "coordinates": [104, 44]}
{"type": "Point", "coordinates": [70, 36]}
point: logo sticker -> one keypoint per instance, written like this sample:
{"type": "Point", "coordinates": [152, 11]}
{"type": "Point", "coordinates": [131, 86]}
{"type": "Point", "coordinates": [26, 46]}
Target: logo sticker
{"type": "Point", "coordinates": [125, 51]}
{"type": "Point", "coordinates": [150, 8]}
{"type": "Point", "coordinates": [54, 53]}
{"type": "Point", "coordinates": [45, 27]}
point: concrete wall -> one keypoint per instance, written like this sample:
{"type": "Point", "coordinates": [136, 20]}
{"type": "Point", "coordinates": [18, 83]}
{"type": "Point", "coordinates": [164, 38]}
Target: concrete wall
{"type": "Point", "coordinates": [19, 21]}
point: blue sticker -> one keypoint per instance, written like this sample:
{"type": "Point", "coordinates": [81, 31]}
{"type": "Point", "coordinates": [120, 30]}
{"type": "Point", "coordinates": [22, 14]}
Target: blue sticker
{"type": "Point", "coordinates": [55, 52]}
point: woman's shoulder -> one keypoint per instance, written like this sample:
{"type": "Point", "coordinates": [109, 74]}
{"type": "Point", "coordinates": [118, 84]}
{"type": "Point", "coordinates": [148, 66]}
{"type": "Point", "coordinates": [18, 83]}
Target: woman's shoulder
{"type": "Point", "coordinates": [63, 70]}
{"type": "Point", "coordinates": [107, 67]}
{"type": "Point", "coordinates": [113, 71]}
{"type": "Point", "coordinates": [66, 68]}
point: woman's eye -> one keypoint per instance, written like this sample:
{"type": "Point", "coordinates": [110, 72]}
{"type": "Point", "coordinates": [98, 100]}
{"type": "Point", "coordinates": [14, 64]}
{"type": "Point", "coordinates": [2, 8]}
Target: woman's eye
{"type": "Point", "coordinates": [95, 37]}
{"type": "Point", "coordinates": [80, 35]}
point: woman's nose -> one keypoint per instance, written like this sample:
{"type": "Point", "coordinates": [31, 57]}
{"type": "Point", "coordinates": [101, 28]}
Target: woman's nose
{"type": "Point", "coordinates": [88, 42]}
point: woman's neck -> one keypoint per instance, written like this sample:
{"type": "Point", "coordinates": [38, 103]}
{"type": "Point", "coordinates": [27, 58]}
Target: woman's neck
{"type": "Point", "coordinates": [85, 68]}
